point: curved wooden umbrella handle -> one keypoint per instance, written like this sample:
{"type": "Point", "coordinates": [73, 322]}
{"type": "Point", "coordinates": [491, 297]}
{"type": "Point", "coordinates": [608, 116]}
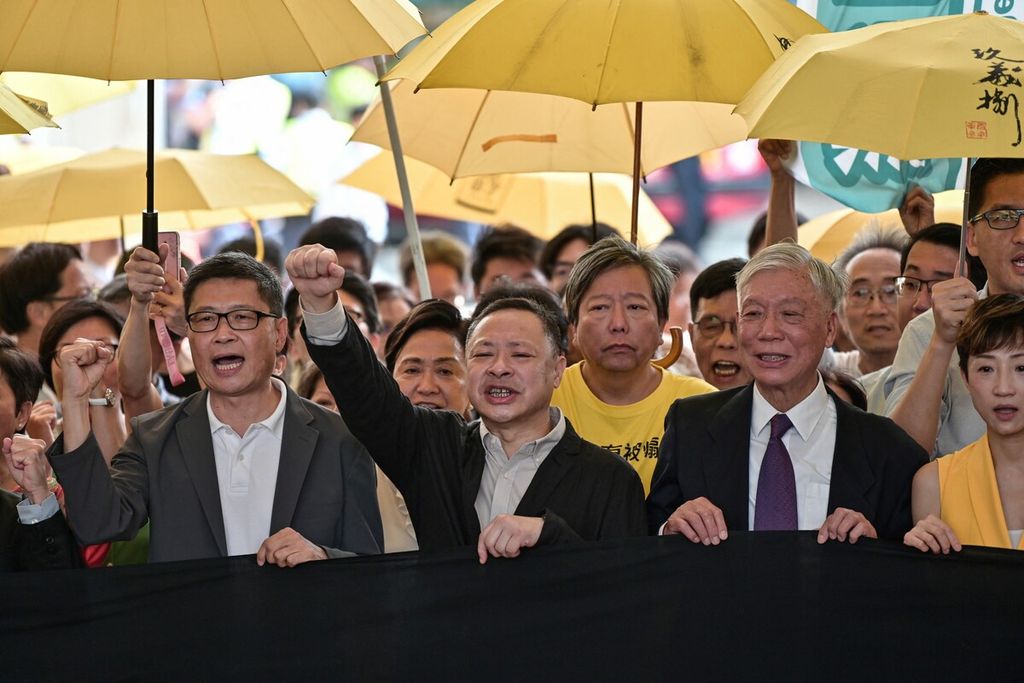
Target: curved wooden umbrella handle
{"type": "Point", "coordinates": [674, 351]}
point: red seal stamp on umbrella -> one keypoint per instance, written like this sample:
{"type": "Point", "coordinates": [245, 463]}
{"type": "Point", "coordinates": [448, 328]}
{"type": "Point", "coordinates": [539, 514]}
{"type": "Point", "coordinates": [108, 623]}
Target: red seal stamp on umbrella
{"type": "Point", "coordinates": [976, 130]}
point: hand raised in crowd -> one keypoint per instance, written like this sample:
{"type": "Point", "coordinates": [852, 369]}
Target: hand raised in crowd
{"type": "Point", "coordinates": [42, 422]}
{"type": "Point", "coordinates": [846, 525]}
{"type": "Point", "coordinates": [775, 153]}
{"type": "Point", "coordinates": [917, 210]}
{"type": "Point", "coordinates": [26, 461]}
{"type": "Point", "coordinates": [931, 533]}
{"type": "Point", "coordinates": [316, 276]}
{"type": "Point", "coordinates": [144, 274]}
{"type": "Point", "coordinates": [951, 300]}
{"type": "Point", "coordinates": [288, 548]}
{"type": "Point", "coordinates": [700, 520]}
{"type": "Point", "coordinates": [507, 535]}
{"type": "Point", "coordinates": [83, 364]}
{"type": "Point", "coordinates": [169, 304]}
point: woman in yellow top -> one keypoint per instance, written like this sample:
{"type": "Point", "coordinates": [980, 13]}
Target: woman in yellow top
{"type": "Point", "coordinates": [976, 495]}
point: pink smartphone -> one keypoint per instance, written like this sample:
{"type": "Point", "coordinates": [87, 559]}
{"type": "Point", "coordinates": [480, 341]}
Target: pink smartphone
{"type": "Point", "coordinates": [172, 264]}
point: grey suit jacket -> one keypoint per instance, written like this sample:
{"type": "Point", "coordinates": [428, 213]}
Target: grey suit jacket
{"type": "Point", "coordinates": [166, 473]}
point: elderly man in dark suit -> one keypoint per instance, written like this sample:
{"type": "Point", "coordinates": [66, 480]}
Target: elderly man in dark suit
{"type": "Point", "coordinates": [783, 453]}
{"type": "Point", "coordinates": [245, 466]}
{"type": "Point", "coordinates": [520, 476]}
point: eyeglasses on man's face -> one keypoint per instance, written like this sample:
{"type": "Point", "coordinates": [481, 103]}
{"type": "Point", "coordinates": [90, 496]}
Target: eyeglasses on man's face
{"type": "Point", "coordinates": [862, 296]}
{"type": "Point", "coordinates": [1000, 219]}
{"type": "Point", "coordinates": [912, 286]}
{"type": "Point", "coordinates": [240, 320]}
{"type": "Point", "coordinates": [711, 326]}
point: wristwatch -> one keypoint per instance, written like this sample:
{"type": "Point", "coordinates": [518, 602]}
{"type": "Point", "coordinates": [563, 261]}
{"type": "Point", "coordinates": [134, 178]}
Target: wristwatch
{"type": "Point", "coordinates": [107, 399]}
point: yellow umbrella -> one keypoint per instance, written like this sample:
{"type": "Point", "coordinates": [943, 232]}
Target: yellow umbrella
{"type": "Point", "coordinates": [467, 132]}
{"type": "Point", "coordinates": [543, 203]}
{"type": "Point", "coordinates": [65, 94]}
{"type": "Point", "coordinates": [25, 158]}
{"type": "Point", "coordinates": [114, 40]}
{"type": "Point", "coordinates": [916, 89]}
{"type": "Point", "coordinates": [830, 233]}
{"type": "Point", "coordinates": [99, 195]}
{"type": "Point", "coordinates": [20, 114]}
{"type": "Point", "coordinates": [600, 52]}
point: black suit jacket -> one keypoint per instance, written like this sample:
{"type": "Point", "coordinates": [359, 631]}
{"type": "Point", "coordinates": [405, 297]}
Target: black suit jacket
{"type": "Point", "coordinates": [437, 461]}
{"type": "Point", "coordinates": [166, 473]}
{"type": "Point", "coordinates": [46, 545]}
{"type": "Point", "coordinates": [706, 450]}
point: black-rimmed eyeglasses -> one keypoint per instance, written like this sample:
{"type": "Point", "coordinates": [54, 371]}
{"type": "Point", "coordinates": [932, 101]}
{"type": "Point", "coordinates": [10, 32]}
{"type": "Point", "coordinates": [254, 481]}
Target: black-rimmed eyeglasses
{"type": "Point", "coordinates": [1000, 219]}
{"type": "Point", "coordinates": [240, 320]}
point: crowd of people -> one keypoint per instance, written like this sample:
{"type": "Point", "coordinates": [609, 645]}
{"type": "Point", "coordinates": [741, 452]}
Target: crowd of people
{"type": "Point", "coordinates": [297, 411]}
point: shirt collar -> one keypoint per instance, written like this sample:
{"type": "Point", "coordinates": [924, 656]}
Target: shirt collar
{"type": "Point", "coordinates": [804, 415]}
{"type": "Point", "coordinates": [539, 447]}
{"type": "Point", "coordinates": [274, 423]}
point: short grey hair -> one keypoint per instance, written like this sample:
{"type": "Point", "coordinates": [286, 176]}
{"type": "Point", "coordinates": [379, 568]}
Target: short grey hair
{"type": "Point", "coordinates": [872, 236]}
{"type": "Point", "coordinates": [615, 252]}
{"type": "Point", "coordinates": [829, 283]}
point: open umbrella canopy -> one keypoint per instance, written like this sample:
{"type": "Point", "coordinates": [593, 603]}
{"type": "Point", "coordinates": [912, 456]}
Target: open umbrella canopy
{"type": "Point", "coordinates": [25, 158]}
{"type": "Point", "coordinates": [20, 114]}
{"type": "Point", "coordinates": [601, 51]}
{"type": "Point", "coordinates": [467, 132]}
{"type": "Point", "coordinates": [65, 94]}
{"type": "Point", "coordinates": [916, 89]}
{"type": "Point", "coordinates": [95, 196]}
{"type": "Point", "coordinates": [212, 39]}
{"type": "Point", "coordinates": [827, 235]}
{"type": "Point", "coordinates": [542, 203]}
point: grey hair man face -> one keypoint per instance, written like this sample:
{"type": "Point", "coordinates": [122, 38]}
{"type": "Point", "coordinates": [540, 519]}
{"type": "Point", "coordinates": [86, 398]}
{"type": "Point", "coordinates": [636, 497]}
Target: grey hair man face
{"type": "Point", "coordinates": [787, 318]}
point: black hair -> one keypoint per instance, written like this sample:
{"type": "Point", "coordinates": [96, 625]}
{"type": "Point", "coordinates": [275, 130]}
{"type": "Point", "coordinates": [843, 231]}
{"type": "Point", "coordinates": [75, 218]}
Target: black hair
{"type": "Point", "coordinates": [555, 328]}
{"type": "Point", "coordinates": [503, 241]}
{"type": "Point", "coordinates": [760, 228]}
{"type": "Point", "coordinates": [568, 234]}
{"type": "Point", "coordinates": [21, 371]}
{"type": "Point", "coordinates": [532, 291]}
{"type": "Point", "coordinates": [342, 234]}
{"type": "Point", "coordinates": [116, 291]}
{"type": "Point", "coordinates": [848, 384]}
{"type": "Point", "coordinates": [291, 310]}
{"type": "Point", "coordinates": [67, 317]}
{"type": "Point", "coordinates": [234, 265]}
{"type": "Point", "coordinates": [984, 171]}
{"type": "Point", "coordinates": [357, 286]}
{"type": "Point", "coordinates": [432, 314]}
{"type": "Point", "coordinates": [946, 235]}
{"type": "Point", "coordinates": [32, 273]}
{"type": "Point", "coordinates": [717, 278]}
{"type": "Point", "coordinates": [247, 245]}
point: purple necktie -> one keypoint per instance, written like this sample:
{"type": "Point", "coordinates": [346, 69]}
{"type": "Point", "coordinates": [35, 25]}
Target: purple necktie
{"type": "Point", "coordinates": [775, 508]}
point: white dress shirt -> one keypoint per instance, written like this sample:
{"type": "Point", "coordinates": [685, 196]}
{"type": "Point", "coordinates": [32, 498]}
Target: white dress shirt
{"type": "Point", "coordinates": [247, 475]}
{"type": "Point", "coordinates": [811, 443]}
{"type": "Point", "coordinates": [505, 479]}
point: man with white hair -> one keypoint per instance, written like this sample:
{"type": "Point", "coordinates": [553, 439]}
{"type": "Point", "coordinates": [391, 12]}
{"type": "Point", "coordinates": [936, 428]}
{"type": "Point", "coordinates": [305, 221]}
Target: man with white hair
{"type": "Point", "coordinates": [807, 460]}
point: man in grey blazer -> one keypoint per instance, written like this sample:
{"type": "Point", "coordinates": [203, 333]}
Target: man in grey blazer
{"type": "Point", "coordinates": [245, 466]}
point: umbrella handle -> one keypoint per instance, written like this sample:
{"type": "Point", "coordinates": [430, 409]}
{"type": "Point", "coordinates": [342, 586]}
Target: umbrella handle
{"type": "Point", "coordinates": [674, 351]}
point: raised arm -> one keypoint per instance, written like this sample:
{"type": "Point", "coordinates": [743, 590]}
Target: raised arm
{"type": "Point", "coordinates": [781, 223]}
{"type": "Point", "coordinates": [369, 400]}
{"type": "Point", "coordinates": [145, 277]}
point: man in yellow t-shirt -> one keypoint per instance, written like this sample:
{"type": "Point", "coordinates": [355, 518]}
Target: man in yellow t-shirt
{"type": "Point", "coordinates": [617, 303]}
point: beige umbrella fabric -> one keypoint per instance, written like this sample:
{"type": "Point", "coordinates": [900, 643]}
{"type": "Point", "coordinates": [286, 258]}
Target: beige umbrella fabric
{"type": "Point", "coordinates": [65, 94]}
{"type": "Point", "coordinates": [96, 196]}
{"type": "Point", "coordinates": [542, 203]}
{"type": "Point", "coordinates": [467, 132]}
{"type": "Point", "coordinates": [20, 114]}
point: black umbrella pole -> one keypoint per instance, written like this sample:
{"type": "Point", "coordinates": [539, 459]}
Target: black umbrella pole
{"type": "Point", "coordinates": [593, 206]}
{"type": "Point", "coordinates": [637, 137]}
{"type": "Point", "coordinates": [150, 225]}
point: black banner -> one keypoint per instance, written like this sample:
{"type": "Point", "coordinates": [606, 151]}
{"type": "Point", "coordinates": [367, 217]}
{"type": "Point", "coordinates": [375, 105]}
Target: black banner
{"type": "Point", "coordinates": [766, 606]}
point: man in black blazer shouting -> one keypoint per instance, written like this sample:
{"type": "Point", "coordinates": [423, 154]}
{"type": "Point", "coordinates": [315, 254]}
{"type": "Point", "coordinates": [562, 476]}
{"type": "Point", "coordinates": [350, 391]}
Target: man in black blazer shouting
{"type": "Point", "coordinates": [783, 453]}
{"type": "Point", "coordinates": [520, 476]}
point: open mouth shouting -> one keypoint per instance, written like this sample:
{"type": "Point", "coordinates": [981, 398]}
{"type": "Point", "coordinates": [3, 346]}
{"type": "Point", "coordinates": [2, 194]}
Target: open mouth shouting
{"type": "Point", "coordinates": [499, 395]}
{"type": "Point", "coordinates": [1005, 412]}
{"type": "Point", "coordinates": [725, 369]}
{"type": "Point", "coordinates": [228, 364]}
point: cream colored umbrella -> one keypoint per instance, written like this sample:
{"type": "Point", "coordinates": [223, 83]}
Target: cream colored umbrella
{"type": "Point", "coordinates": [827, 235]}
{"type": "Point", "coordinates": [99, 196]}
{"type": "Point", "coordinates": [542, 203]}
{"type": "Point", "coordinates": [467, 132]}
{"type": "Point", "coordinates": [19, 157]}
{"type": "Point", "coordinates": [65, 94]}
{"type": "Point", "coordinates": [20, 114]}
